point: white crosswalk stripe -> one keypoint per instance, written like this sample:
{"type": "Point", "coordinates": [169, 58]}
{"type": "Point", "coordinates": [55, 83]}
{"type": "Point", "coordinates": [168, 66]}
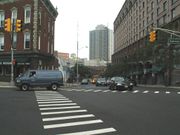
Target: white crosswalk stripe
{"type": "Point", "coordinates": [146, 91]}
{"type": "Point", "coordinates": [70, 111]}
{"type": "Point", "coordinates": [52, 102]}
{"type": "Point", "coordinates": [54, 99]}
{"type": "Point", "coordinates": [134, 92]}
{"type": "Point", "coordinates": [63, 112]}
{"type": "Point", "coordinates": [93, 132]}
{"type": "Point", "coordinates": [156, 92]}
{"type": "Point", "coordinates": [48, 105]}
{"type": "Point", "coordinates": [106, 91]}
{"type": "Point", "coordinates": [72, 124]}
{"type": "Point", "coordinates": [69, 117]}
{"type": "Point", "coordinates": [168, 92]}
{"type": "Point", "coordinates": [124, 91]}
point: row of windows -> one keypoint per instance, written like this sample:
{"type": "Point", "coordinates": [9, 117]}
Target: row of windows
{"type": "Point", "coordinates": [134, 11]}
{"type": "Point", "coordinates": [14, 12]}
{"type": "Point", "coordinates": [26, 41]}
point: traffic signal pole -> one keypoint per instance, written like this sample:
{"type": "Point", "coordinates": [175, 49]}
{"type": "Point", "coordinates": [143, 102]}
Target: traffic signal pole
{"type": "Point", "coordinates": [12, 53]}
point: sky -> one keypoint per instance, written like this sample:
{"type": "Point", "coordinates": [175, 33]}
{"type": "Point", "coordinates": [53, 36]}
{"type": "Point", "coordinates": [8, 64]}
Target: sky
{"type": "Point", "coordinates": [77, 17]}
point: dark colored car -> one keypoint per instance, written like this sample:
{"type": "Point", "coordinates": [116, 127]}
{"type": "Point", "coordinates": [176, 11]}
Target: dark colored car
{"type": "Point", "coordinates": [84, 81]}
{"type": "Point", "coordinates": [101, 82]}
{"type": "Point", "coordinates": [119, 83]}
{"type": "Point", "coordinates": [51, 79]}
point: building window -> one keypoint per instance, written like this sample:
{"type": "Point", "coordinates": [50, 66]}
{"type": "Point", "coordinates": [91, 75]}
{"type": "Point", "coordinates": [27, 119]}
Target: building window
{"type": "Point", "coordinates": [173, 13]}
{"type": "Point", "coordinates": [52, 48]}
{"type": "Point", "coordinates": [27, 15]}
{"type": "Point", "coordinates": [39, 17]}
{"type": "Point", "coordinates": [152, 5]}
{"type": "Point", "coordinates": [165, 19]}
{"type": "Point", "coordinates": [52, 29]}
{"type": "Point", "coordinates": [14, 40]}
{"type": "Point", "coordinates": [173, 1]}
{"type": "Point", "coordinates": [1, 19]}
{"type": "Point", "coordinates": [143, 4]}
{"type": "Point", "coordinates": [49, 26]}
{"type": "Point", "coordinates": [39, 42]}
{"type": "Point", "coordinates": [165, 6]}
{"type": "Point", "coordinates": [13, 14]}
{"type": "Point", "coordinates": [158, 9]}
{"type": "Point", "coordinates": [152, 16]}
{"type": "Point", "coordinates": [1, 70]}
{"type": "Point", "coordinates": [48, 46]}
{"type": "Point", "coordinates": [26, 40]}
{"type": "Point", "coordinates": [1, 42]}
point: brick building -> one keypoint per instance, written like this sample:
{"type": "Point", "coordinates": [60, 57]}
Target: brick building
{"type": "Point", "coordinates": [131, 37]}
{"type": "Point", "coordinates": [34, 45]}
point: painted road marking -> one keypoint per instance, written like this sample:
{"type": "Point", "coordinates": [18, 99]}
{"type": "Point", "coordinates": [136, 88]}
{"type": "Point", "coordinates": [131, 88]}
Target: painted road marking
{"type": "Point", "coordinates": [59, 108]}
{"type": "Point", "coordinates": [87, 90]}
{"type": "Point", "coordinates": [56, 99]}
{"type": "Point", "coordinates": [114, 91]}
{"type": "Point", "coordinates": [106, 90]}
{"type": "Point", "coordinates": [72, 124]}
{"type": "Point", "coordinates": [69, 117]}
{"type": "Point", "coordinates": [168, 92]}
{"type": "Point", "coordinates": [156, 92]}
{"type": "Point", "coordinates": [63, 112]}
{"type": "Point", "coordinates": [47, 105]}
{"type": "Point", "coordinates": [92, 132]}
{"type": "Point", "coordinates": [97, 90]}
{"type": "Point", "coordinates": [49, 102]}
{"type": "Point", "coordinates": [178, 92]}
{"type": "Point", "coordinates": [146, 91]}
{"type": "Point", "coordinates": [124, 91]}
{"type": "Point", "coordinates": [136, 91]}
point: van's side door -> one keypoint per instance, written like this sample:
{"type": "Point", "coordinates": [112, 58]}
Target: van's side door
{"type": "Point", "coordinates": [33, 78]}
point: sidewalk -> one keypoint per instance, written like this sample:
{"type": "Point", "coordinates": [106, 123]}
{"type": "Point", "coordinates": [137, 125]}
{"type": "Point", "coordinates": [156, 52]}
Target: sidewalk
{"type": "Point", "coordinates": [6, 85]}
{"type": "Point", "coordinates": [9, 85]}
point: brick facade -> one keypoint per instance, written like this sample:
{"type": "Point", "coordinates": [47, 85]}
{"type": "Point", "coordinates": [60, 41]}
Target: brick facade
{"type": "Point", "coordinates": [38, 17]}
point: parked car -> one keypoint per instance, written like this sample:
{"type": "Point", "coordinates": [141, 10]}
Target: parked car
{"type": "Point", "coordinates": [101, 82]}
{"type": "Point", "coordinates": [120, 83]}
{"type": "Point", "coordinates": [84, 81]}
{"type": "Point", "coordinates": [51, 79]}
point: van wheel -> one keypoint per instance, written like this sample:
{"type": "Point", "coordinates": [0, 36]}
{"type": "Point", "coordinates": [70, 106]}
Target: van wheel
{"type": "Point", "coordinates": [24, 87]}
{"type": "Point", "coordinates": [54, 86]}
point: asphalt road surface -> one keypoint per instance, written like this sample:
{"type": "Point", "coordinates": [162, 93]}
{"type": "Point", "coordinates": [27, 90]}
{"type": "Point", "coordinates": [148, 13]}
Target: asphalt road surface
{"type": "Point", "coordinates": [90, 110]}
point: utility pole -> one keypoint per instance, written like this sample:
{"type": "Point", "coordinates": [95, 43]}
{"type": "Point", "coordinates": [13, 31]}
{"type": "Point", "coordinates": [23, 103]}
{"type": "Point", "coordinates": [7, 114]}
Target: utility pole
{"type": "Point", "coordinates": [77, 72]}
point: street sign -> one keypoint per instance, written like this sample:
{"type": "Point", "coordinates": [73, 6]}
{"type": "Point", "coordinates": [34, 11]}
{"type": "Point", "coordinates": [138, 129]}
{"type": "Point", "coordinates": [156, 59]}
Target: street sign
{"type": "Point", "coordinates": [174, 40]}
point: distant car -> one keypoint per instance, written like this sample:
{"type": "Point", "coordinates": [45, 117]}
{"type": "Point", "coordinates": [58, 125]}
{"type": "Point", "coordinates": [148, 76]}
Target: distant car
{"type": "Point", "coordinates": [101, 82]}
{"type": "Point", "coordinates": [51, 79]}
{"type": "Point", "coordinates": [120, 83]}
{"type": "Point", "coordinates": [84, 81]}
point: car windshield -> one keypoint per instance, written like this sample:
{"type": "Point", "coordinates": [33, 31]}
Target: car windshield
{"type": "Point", "coordinates": [101, 79]}
{"type": "Point", "coordinates": [117, 79]}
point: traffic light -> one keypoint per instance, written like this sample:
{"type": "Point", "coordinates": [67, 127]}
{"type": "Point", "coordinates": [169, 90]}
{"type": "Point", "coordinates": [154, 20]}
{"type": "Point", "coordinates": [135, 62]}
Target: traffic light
{"type": "Point", "coordinates": [7, 25]}
{"type": "Point", "coordinates": [152, 36]}
{"type": "Point", "coordinates": [18, 25]}
{"type": "Point", "coordinates": [14, 62]}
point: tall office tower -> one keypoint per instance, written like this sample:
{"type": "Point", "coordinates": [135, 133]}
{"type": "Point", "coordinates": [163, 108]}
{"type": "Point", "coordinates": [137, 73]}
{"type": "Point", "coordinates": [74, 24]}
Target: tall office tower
{"type": "Point", "coordinates": [101, 43]}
